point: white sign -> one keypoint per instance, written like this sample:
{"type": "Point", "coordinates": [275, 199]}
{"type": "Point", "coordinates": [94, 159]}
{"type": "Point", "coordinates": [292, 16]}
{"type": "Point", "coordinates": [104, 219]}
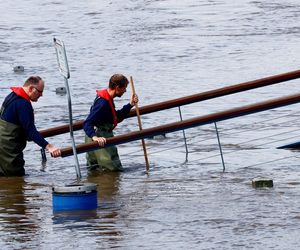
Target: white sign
{"type": "Point", "coordinates": [61, 58]}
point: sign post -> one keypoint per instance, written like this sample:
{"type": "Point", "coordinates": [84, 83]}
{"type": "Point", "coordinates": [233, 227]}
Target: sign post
{"type": "Point", "coordinates": [64, 70]}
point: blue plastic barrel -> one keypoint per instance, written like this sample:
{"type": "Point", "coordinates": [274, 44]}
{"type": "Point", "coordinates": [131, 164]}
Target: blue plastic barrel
{"type": "Point", "coordinates": [75, 197]}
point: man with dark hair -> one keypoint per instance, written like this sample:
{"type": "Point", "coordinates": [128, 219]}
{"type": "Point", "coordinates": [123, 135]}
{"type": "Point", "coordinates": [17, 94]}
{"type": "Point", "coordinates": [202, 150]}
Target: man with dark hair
{"type": "Point", "coordinates": [17, 127]}
{"type": "Point", "coordinates": [105, 118]}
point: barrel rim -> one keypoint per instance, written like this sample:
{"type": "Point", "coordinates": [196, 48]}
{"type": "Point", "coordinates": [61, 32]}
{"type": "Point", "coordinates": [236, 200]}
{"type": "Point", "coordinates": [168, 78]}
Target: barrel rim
{"type": "Point", "coordinates": [75, 188]}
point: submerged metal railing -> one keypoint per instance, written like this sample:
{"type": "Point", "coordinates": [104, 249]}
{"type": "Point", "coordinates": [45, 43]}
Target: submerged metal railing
{"type": "Point", "coordinates": [176, 126]}
{"type": "Point", "coordinates": [229, 134]}
{"type": "Point", "coordinates": [189, 99]}
{"type": "Point", "coordinates": [185, 124]}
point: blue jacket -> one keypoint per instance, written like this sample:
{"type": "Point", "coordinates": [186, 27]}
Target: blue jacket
{"type": "Point", "coordinates": [101, 113]}
{"type": "Point", "coordinates": [20, 112]}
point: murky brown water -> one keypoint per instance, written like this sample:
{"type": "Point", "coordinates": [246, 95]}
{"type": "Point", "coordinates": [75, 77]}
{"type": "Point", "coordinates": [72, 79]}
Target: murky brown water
{"type": "Point", "coordinates": [172, 49]}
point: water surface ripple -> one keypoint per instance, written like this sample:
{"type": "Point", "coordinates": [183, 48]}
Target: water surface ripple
{"type": "Point", "coordinates": [172, 49]}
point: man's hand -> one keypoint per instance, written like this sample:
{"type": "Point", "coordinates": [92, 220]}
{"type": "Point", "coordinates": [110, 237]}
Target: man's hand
{"type": "Point", "coordinates": [134, 100]}
{"type": "Point", "coordinates": [55, 152]}
{"type": "Point", "coordinates": [101, 140]}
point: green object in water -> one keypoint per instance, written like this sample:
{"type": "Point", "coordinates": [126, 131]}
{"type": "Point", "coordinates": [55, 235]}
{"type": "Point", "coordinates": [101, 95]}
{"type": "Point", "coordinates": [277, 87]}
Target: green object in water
{"type": "Point", "coordinates": [261, 183]}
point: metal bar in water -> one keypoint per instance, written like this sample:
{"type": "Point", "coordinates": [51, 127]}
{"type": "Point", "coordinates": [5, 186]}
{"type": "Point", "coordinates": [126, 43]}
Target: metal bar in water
{"type": "Point", "coordinates": [44, 157]}
{"type": "Point", "coordinates": [220, 147]}
{"type": "Point", "coordinates": [190, 123]}
{"type": "Point", "coordinates": [190, 99]}
{"type": "Point", "coordinates": [184, 137]}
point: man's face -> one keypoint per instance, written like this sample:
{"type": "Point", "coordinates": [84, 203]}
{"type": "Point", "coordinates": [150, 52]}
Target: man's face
{"type": "Point", "coordinates": [120, 91]}
{"type": "Point", "coordinates": [35, 92]}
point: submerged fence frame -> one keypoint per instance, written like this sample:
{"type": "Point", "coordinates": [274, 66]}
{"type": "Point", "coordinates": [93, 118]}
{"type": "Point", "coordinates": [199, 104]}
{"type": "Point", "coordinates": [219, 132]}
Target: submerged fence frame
{"type": "Point", "coordinates": [207, 95]}
{"type": "Point", "coordinates": [193, 122]}
{"type": "Point", "coordinates": [184, 124]}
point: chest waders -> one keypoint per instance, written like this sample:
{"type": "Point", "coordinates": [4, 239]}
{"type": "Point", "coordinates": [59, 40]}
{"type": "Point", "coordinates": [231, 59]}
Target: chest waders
{"type": "Point", "coordinates": [104, 158]}
{"type": "Point", "coordinates": [12, 143]}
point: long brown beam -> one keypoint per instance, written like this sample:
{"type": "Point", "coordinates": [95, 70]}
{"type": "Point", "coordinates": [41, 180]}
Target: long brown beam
{"type": "Point", "coordinates": [189, 99]}
{"type": "Point", "coordinates": [175, 126]}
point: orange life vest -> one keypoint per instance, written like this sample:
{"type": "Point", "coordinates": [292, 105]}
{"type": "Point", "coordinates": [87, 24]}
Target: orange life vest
{"type": "Point", "coordinates": [103, 93]}
{"type": "Point", "coordinates": [20, 92]}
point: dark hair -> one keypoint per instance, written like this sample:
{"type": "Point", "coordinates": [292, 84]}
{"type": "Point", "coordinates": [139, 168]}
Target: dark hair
{"type": "Point", "coordinates": [118, 80]}
{"type": "Point", "coordinates": [33, 80]}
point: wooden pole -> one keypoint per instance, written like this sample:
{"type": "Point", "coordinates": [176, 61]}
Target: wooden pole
{"type": "Point", "coordinates": [140, 126]}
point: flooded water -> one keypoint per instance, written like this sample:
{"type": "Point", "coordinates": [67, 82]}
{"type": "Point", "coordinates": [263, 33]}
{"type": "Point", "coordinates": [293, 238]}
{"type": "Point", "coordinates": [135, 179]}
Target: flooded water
{"type": "Point", "coordinates": [172, 49]}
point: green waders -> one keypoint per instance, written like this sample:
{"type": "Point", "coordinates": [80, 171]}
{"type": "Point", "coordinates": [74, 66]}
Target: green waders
{"type": "Point", "coordinates": [12, 143]}
{"type": "Point", "coordinates": [104, 158]}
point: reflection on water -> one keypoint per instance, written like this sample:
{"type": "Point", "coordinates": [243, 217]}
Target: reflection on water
{"type": "Point", "coordinates": [15, 213]}
{"type": "Point", "coordinates": [108, 183]}
{"type": "Point", "coordinates": [73, 217]}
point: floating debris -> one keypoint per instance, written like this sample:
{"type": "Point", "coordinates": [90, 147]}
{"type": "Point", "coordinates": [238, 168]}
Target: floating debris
{"type": "Point", "coordinates": [61, 90]}
{"type": "Point", "coordinates": [158, 137]}
{"type": "Point", "coordinates": [18, 69]}
{"type": "Point", "coordinates": [262, 182]}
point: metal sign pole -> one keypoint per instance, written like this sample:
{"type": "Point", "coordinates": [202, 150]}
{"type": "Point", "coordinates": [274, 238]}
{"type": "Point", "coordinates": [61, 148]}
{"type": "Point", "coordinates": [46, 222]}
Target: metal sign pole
{"type": "Point", "coordinates": [64, 70]}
